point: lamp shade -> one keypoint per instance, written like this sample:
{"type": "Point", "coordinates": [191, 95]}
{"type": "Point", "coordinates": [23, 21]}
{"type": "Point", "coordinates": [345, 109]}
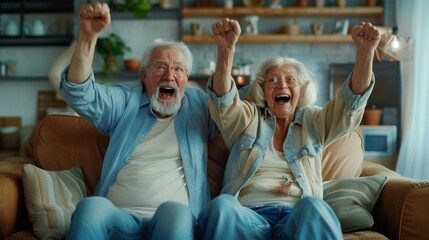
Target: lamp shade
{"type": "Point", "coordinates": [391, 44]}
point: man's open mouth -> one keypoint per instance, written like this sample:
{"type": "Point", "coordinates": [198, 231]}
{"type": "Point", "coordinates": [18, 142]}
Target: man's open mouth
{"type": "Point", "coordinates": [166, 92]}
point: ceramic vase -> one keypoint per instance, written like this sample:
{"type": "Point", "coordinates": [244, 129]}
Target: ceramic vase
{"type": "Point", "coordinates": [302, 3]}
{"type": "Point", "coordinates": [371, 3]}
{"type": "Point", "coordinates": [341, 3]}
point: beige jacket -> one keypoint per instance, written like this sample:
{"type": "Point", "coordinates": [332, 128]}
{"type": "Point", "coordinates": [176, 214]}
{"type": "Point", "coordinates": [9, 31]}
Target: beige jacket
{"type": "Point", "coordinates": [247, 131]}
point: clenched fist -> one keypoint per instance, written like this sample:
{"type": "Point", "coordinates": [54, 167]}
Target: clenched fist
{"type": "Point", "coordinates": [226, 32]}
{"type": "Point", "coordinates": [366, 37]}
{"type": "Point", "coordinates": [93, 18]}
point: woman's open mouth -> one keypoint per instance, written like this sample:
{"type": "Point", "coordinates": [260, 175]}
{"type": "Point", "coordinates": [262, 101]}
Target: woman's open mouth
{"type": "Point", "coordinates": [282, 99]}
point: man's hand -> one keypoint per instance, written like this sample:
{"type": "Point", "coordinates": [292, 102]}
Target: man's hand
{"type": "Point", "coordinates": [366, 37]}
{"type": "Point", "coordinates": [226, 32]}
{"type": "Point", "coordinates": [93, 18]}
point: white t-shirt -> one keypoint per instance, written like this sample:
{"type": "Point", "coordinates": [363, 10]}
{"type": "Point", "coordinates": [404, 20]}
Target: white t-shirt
{"type": "Point", "coordinates": [153, 174]}
{"type": "Point", "coordinates": [263, 187]}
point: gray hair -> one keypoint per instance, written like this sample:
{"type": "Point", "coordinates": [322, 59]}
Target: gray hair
{"type": "Point", "coordinates": [161, 43]}
{"type": "Point", "coordinates": [308, 88]}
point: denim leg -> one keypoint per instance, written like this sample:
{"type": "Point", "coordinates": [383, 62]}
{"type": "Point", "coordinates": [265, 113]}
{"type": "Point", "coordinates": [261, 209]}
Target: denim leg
{"type": "Point", "coordinates": [311, 218]}
{"type": "Point", "coordinates": [224, 218]}
{"type": "Point", "coordinates": [97, 218]}
{"type": "Point", "coordinates": [172, 220]}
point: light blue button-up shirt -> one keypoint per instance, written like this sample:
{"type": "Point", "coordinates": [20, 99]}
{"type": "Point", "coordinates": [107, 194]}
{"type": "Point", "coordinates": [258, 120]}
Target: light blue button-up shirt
{"type": "Point", "coordinates": [124, 113]}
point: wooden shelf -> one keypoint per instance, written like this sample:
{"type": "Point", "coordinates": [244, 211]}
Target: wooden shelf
{"type": "Point", "coordinates": [53, 40]}
{"type": "Point", "coordinates": [280, 38]}
{"type": "Point", "coordinates": [284, 12]}
{"type": "Point", "coordinates": [154, 13]}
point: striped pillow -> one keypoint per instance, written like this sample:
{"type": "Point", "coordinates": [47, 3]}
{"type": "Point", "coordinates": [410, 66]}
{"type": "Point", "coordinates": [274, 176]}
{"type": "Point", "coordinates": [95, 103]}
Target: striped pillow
{"type": "Point", "coordinates": [353, 199]}
{"type": "Point", "coordinates": [51, 198]}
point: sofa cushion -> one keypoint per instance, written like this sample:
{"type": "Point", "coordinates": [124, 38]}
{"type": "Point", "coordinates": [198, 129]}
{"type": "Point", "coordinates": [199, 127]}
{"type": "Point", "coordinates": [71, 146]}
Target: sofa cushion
{"type": "Point", "coordinates": [65, 141]}
{"type": "Point", "coordinates": [353, 199]}
{"type": "Point", "coordinates": [51, 198]}
{"type": "Point", "coordinates": [343, 158]}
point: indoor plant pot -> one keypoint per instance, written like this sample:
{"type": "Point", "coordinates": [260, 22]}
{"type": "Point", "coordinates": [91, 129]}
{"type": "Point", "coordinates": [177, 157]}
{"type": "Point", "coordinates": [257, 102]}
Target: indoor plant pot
{"type": "Point", "coordinates": [372, 115]}
{"type": "Point", "coordinates": [112, 48]}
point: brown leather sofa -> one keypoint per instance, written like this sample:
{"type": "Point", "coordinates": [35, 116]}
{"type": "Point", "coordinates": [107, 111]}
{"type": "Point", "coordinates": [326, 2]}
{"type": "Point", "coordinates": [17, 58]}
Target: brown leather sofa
{"type": "Point", "coordinates": [61, 142]}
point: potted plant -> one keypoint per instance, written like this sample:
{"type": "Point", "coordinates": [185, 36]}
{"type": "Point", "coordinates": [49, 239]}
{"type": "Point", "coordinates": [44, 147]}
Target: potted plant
{"type": "Point", "coordinates": [242, 67]}
{"type": "Point", "coordinates": [139, 8]}
{"type": "Point", "coordinates": [241, 72]}
{"type": "Point", "coordinates": [112, 48]}
{"type": "Point", "coordinates": [372, 115]}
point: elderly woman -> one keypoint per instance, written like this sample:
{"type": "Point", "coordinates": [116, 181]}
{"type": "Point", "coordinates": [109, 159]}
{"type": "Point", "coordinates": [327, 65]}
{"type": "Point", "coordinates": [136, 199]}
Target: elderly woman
{"type": "Point", "coordinates": [273, 186]}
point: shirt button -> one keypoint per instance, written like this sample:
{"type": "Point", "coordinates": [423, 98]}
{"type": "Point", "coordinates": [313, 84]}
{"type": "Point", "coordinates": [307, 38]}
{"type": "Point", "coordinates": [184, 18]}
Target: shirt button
{"type": "Point", "coordinates": [299, 176]}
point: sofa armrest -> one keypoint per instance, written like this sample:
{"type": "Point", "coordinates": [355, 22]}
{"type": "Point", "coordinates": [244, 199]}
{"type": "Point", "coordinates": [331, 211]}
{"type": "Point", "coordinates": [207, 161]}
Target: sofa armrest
{"type": "Point", "coordinates": [13, 215]}
{"type": "Point", "coordinates": [402, 210]}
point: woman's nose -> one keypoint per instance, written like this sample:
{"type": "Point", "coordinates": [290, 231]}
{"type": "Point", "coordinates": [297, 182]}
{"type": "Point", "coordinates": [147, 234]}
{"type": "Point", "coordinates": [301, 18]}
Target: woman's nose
{"type": "Point", "coordinates": [283, 83]}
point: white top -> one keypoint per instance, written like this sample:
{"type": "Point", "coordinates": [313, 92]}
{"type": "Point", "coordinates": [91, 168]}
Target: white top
{"type": "Point", "coordinates": [263, 187]}
{"type": "Point", "coordinates": [153, 174]}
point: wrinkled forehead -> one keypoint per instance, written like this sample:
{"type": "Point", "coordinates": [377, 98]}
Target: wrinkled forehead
{"type": "Point", "coordinates": [167, 54]}
{"type": "Point", "coordinates": [283, 70]}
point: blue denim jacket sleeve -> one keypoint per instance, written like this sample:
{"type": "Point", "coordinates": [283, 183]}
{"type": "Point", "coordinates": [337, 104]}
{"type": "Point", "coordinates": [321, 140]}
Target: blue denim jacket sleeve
{"type": "Point", "coordinates": [355, 102]}
{"type": "Point", "coordinates": [221, 100]}
{"type": "Point", "coordinates": [94, 101]}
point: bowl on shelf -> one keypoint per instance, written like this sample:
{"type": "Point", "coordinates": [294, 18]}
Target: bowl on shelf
{"type": "Point", "coordinates": [132, 64]}
{"type": "Point", "coordinates": [290, 29]}
{"type": "Point", "coordinates": [241, 80]}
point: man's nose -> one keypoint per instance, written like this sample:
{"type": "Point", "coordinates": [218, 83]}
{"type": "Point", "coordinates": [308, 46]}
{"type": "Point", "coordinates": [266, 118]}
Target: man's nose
{"type": "Point", "coordinates": [169, 74]}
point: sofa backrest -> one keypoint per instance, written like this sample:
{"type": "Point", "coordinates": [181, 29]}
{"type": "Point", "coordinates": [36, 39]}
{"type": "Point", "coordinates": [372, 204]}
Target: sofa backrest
{"type": "Point", "coordinates": [344, 157]}
{"type": "Point", "coordinates": [63, 142]}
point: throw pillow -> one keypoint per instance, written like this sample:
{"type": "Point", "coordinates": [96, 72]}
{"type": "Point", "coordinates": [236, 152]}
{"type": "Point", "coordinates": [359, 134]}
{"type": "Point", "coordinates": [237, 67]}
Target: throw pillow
{"type": "Point", "coordinates": [51, 198]}
{"type": "Point", "coordinates": [353, 199]}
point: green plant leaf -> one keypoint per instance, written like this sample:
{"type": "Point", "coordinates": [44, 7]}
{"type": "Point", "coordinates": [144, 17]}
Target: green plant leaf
{"type": "Point", "coordinates": [139, 8]}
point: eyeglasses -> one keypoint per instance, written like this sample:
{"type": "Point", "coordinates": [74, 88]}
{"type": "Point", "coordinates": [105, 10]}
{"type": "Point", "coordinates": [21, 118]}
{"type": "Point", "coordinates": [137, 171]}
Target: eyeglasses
{"type": "Point", "coordinates": [160, 69]}
{"type": "Point", "coordinates": [291, 81]}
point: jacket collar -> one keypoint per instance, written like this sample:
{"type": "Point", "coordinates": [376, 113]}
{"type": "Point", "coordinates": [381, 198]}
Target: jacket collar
{"type": "Point", "coordinates": [298, 118]}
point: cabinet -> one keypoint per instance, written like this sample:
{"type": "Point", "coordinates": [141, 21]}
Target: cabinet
{"type": "Point", "coordinates": [386, 94]}
{"type": "Point", "coordinates": [361, 12]}
{"type": "Point", "coordinates": [36, 22]}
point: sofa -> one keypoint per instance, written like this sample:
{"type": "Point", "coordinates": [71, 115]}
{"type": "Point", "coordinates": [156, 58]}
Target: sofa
{"type": "Point", "coordinates": [59, 142]}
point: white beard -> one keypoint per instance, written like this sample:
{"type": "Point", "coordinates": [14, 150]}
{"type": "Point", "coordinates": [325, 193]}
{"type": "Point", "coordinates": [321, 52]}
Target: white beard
{"type": "Point", "coordinates": [166, 107]}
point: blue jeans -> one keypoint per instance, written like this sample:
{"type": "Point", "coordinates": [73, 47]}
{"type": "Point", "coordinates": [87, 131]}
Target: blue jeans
{"type": "Point", "coordinates": [311, 218]}
{"type": "Point", "coordinates": [97, 218]}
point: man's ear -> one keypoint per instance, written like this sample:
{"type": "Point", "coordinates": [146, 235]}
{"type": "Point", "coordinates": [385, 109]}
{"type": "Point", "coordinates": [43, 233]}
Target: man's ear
{"type": "Point", "coordinates": [143, 76]}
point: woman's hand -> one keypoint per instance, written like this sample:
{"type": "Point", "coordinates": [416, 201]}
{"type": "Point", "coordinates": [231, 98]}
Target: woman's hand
{"type": "Point", "coordinates": [226, 32]}
{"type": "Point", "coordinates": [93, 18]}
{"type": "Point", "coordinates": [366, 37]}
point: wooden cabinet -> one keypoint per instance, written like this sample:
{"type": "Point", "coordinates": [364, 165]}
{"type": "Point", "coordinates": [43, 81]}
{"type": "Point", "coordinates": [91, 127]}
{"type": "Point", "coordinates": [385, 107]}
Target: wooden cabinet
{"type": "Point", "coordinates": [36, 22]}
{"type": "Point", "coordinates": [279, 13]}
